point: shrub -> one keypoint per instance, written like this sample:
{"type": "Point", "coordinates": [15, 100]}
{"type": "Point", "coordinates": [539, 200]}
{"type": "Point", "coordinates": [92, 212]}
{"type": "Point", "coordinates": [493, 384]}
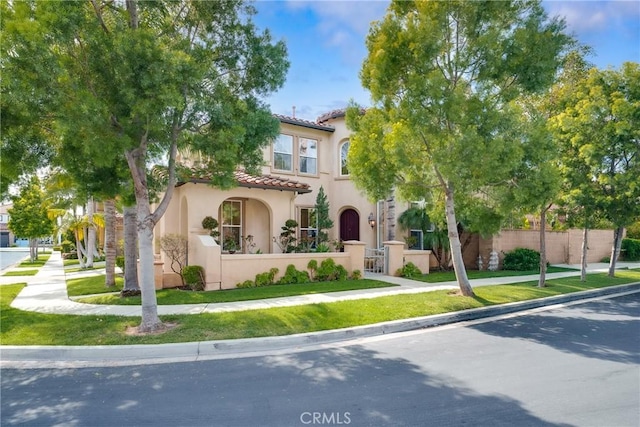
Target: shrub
{"type": "Point", "coordinates": [606, 259]}
{"type": "Point", "coordinates": [211, 224]}
{"type": "Point", "coordinates": [633, 231]}
{"type": "Point", "coordinates": [631, 249]}
{"type": "Point", "coordinates": [312, 266]}
{"type": "Point", "coordinates": [322, 247]}
{"type": "Point", "coordinates": [409, 270]}
{"type": "Point", "coordinates": [67, 246]}
{"type": "Point", "coordinates": [246, 284]}
{"type": "Point", "coordinates": [521, 259]}
{"type": "Point", "coordinates": [292, 275]}
{"type": "Point", "coordinates": [266, 279]}
{"type": "Point", "coordinates": [356, 275]}
{"type": "Point", "coordinates": [327, 270]}
{"type": "Point", "coordinates": [193, 276]}
{"type": "Point", "coordinates": [341, 273]}
{"type": "Point", "coordinates": [120, 262]}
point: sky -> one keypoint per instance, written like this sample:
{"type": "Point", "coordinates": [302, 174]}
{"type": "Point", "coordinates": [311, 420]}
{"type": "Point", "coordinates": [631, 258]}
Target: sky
{"type": "Point", "coordinates": [326, 44]}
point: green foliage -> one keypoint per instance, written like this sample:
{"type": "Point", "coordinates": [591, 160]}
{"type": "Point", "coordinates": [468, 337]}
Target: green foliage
{"type": "Point", "coordinates": [28, 216]}
{"type": "Point", "coordinates": [631, 248]}
{"type": "Point", "coordinates": [292, 275]}
{"type": "Point", "coordinates": [193, 276]}
{"type": "Point", "coordinates": [265, 279]}
{"type": "Point", "coordinates": [312, 266]}
{"type": "Point", "coordinates": [120, 263]}
{"type": "Point", "coordinates": [211, 224]}
{"type": "Point", "coordinates": [323, 222]}
{"type": "Point", "coordinates": [356, 275]}
{"type": "Point", "coordinates": [246, 284]}
{"type": "Point", "coordinates": [67, 246]}
{"type": "Point", "coordinates": [322, 248]}
{"type": "Point", "coordinates": [409, 270]}
{"type": "Point", "coordinates": [329, 271]}
{"type": "Point", "coordinates": [521, 259]}
{"type": "Point", "coordinates": [287, 239]}
{"type": "Point", "coordinates": [633, 231]}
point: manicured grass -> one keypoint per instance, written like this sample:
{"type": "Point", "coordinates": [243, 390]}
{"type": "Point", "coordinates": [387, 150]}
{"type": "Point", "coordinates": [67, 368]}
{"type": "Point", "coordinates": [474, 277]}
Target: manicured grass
{"type": "Point", "coordinates": [177, 296]}
{"type": "Point", "coordinates": [21, 273]}
{"type": "Point", "coordinates": [447, 276]}
{"type": "Point", "coordinates": [70, 262]}
{"type": "Point", "coordinates": [75, 270]}
{"type": "Point", "coordinates": [42, 259]}
{"type": "Point", "coordinates": [91, 285]}
{"type": "Point", "coordinates": [25, 328]}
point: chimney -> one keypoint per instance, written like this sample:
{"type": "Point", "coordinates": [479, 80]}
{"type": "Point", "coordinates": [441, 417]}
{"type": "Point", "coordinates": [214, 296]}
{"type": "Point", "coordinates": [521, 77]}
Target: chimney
{"type": "Point", "coordinates": [294, 111]}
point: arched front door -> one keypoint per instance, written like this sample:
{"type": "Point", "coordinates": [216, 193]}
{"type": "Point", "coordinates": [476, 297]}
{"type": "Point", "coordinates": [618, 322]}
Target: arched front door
{"type": "Point", "coordinates": [349, 225]}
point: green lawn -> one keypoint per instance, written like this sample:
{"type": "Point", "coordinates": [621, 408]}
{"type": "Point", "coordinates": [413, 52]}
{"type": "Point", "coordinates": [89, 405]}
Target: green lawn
{"type": "Point", "coordinates": [42, 259]}
{"type": "Point", "coordinates": [91, 285]}
{"type": "Point", "coordinates": [21, 273]}
{"type": "Point", "coordinates": [25, 328]}
{"type": "Point", "coordinates": [95, 285]}
{"type": "Point", "coordinates": [447, 276]}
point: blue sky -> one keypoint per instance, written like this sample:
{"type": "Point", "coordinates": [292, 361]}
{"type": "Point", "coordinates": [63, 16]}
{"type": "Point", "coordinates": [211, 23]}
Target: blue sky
{"type": "Point", "coordinates": [326, 44]}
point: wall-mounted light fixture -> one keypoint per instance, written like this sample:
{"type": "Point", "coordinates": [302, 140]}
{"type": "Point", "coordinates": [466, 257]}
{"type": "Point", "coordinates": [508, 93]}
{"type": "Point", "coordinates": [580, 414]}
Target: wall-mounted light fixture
{"type": "Point", "coordinates": [372, 220]}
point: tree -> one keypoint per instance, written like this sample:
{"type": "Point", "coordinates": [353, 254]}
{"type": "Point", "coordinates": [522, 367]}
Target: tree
{"type": "Point", "coordinates": [144, 79]}
{"type": "Point", "coordinates": [28, 216]}
{"type": "Point", "coordinates": [600, 129]}
{"type": "Point", "coordinates": [442, 76]}
{"type": "Point", "coordinates": [536, 181]}
{"type": "Point", "coordinates": [321, 212]}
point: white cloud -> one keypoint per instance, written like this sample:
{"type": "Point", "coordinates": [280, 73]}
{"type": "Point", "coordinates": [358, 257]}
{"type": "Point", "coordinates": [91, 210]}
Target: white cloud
{"type": "Point", "coordinates": [594, 16]}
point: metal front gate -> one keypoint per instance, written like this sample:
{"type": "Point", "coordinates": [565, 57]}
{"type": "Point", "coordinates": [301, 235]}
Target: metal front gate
{"type": "Point", "coordinates": [375, 260]}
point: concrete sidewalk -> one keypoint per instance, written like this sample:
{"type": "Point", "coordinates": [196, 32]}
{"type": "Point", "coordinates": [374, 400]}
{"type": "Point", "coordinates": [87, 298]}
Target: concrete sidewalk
{"type": "Point", "coordinates": [46, 292]}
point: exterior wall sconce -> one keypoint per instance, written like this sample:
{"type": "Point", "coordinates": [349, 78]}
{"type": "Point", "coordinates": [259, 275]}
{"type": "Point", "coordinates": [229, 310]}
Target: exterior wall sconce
{"type": "Point", "coordinates": [372, 221]}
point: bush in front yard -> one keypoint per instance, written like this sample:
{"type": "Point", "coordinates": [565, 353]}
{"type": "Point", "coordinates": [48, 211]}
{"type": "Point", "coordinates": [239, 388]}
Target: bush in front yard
{"type": "Point", "coordinates": [193, 276]}
{"type": "Point", "coordinates": [292, 275]}
{"type": "Point", "coordinates": [631, 248]}
{"type": "Point", "coordinates": [409, 270]}
{"type": "Point", "coordinates": [521, 259]}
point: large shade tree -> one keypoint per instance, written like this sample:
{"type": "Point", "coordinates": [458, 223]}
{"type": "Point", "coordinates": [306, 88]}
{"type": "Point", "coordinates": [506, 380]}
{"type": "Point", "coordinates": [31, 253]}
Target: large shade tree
{"type": "Point", "coordinates": [600, 129]}
{"type": "Point", "coordinates": [442, 76]}
{"type": "Point", "coordinates": [145, 79]}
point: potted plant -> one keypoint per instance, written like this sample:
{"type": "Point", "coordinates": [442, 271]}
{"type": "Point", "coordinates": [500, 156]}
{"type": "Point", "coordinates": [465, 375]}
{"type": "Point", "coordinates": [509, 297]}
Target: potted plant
{"type": "Point", "coordinates": [230, 244]}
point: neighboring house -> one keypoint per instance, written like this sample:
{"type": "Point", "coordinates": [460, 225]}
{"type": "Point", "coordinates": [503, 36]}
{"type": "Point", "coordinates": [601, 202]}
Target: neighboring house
{"type": "Point", "coordinates": [305, 156]}
{"type": "Point", "coordinates": [7, 238]}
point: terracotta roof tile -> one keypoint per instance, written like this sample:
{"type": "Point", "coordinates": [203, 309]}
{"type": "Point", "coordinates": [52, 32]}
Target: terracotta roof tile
{"type": "Point", "coordinates": [304, 123]}
{"type": "Point", "coordinates": [266, 182]}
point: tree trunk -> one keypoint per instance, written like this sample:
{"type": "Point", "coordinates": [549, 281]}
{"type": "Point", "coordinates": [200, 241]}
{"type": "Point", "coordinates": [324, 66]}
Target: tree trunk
{"type": "Point", "coordinates": [110, 242]}
{"type": "Point", "coordinates": [583, 256]}
{"type": "Point", "coordinates": [615, 250]}
{"type": "Point", "coordinates": [91, 233]}
{"type": "Point", "coordinates": [150, 320]}
{"type": "Point", "coordinates": [454, 242]}
{"type": "Point", "coordinates": [79, 249]}
{"type": "Point", "coordinates": [33, 251]}
{"type": "Point", "coordinates": [543, 247]}
{"type": "Point", "coordinates": [131, 285]}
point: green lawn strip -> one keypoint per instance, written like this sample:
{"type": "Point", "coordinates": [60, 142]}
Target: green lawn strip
{"type": "Point", "coordinates": [75, 270]}
{"type": "Point", "coordinates": [26, 328]}
{"type": "Point", "coordinates": [42, 259]}
{"type": "Point", "coordinates": [448, 276]}
{"type": "Point", "coordinates": [92, 285]}
{"type": "Point", "coordinates": [21, 273]}
{"type": "Point", "coordinates": [177, 296]}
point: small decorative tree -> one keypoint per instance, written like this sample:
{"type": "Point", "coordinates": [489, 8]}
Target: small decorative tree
{"type": "Point", "coordinates": [211, 224]}
{"type": "Point", "coordinates": [323, 222]}
{"type": "Point", "coordinates": [287, 239]}
{"type": "Point", "coordinates": [175, 247]}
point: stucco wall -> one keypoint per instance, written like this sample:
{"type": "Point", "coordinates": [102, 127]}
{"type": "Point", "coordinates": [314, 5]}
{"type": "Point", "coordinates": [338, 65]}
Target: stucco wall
{"type": "Point", "coordinates": [563, 247]}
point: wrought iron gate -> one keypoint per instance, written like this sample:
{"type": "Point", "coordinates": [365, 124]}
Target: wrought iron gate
{"type": "Point", "coordinates": [375, 260]}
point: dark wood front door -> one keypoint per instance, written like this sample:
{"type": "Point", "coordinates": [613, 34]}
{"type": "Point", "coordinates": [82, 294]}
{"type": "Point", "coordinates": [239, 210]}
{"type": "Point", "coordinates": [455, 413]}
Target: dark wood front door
{"type": "Point", "coordinates": [349, 225]}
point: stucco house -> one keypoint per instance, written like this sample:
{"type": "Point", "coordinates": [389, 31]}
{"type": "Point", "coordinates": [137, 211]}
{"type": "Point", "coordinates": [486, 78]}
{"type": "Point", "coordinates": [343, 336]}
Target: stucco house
{"type": "Point", "coordinates": [305, 156]}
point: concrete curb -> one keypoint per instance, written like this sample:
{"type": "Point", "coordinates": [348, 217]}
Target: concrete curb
{"type": "Point", "coordinates": [85, 356]}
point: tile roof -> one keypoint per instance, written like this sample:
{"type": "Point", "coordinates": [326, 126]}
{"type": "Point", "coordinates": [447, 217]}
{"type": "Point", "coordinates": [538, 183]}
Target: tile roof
{"type": "Point", "coordinates": [304, 123]}
{"type": "Point", "coordinates": [266, 182]}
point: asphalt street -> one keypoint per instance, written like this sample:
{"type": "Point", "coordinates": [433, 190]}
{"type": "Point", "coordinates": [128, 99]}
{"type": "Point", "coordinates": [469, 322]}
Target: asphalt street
{"type": "Point", "coordinates": [570, 366]}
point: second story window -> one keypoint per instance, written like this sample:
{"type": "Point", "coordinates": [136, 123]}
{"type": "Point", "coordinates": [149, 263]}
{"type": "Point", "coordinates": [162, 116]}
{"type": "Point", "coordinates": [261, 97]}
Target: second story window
{"type": "Point", "coordinates": [344, 151]}
{"type": "Point", "coordinates": [283, 153]}
{"type": "Point", "coordinates": [308, 150]}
